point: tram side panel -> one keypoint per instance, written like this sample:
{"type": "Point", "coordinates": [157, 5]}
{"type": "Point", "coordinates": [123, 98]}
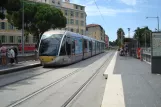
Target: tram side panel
{"type": "Point", "coordinates": [93, 48]}
{"type": "Point", "coordinates": [78, 49]}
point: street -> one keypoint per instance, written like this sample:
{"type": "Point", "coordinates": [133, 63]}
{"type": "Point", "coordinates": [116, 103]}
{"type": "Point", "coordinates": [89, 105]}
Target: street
{"type": "Point", "coordinates": [39, 87]}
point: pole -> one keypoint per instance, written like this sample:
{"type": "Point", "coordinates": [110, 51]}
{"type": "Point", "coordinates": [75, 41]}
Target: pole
{"type": "Point", "coordinates": [158, 23]}
{"type": "Point", "coordinates": [145, 38]}
{"type": "Point", "coordinates": [22, 41]}
{"type": "Point", "coordinates": [121, 38]}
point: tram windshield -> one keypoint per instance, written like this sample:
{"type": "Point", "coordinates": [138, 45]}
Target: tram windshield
{"type": "Point", "coordinates": [49, 45]}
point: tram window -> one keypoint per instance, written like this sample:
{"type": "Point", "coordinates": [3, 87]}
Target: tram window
{"type": "Point", "coordinates": [93, 46]}
{"type": "Point", "coordinates": [90, 46]}
{"type": "Point", "coordinates": [73, 46]}
{"type": "Point", "coordinates": [85, 45]}
{"type": "Point", "coordinates": [63, 50]}
{"type": "Point", "coordinates": [68, 46]}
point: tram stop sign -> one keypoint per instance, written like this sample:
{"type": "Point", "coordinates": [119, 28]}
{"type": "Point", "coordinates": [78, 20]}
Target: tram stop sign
{"type": "Point", "coordinates": [156, 53]}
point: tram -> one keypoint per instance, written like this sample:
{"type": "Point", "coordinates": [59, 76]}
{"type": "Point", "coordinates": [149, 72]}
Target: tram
{"type": "Point", "coordinates": [60, 47]}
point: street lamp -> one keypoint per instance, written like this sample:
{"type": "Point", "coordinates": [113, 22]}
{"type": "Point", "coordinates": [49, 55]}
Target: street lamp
{"type": "Point", "coordinates": [157, 20]}
{"type": "Point", "coordinates": [128, 32]}
{"type": "Point", "coordinates": [22, 41]}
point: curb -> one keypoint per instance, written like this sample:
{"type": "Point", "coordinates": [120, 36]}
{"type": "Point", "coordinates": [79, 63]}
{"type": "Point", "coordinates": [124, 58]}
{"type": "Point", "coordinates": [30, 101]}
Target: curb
{"type": "Point", "coordinates": [17, 69]}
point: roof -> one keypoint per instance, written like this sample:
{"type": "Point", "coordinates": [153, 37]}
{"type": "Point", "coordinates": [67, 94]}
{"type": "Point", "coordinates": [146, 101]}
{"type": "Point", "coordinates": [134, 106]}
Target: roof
{"type": "Point", "coordinates": [93, 25]}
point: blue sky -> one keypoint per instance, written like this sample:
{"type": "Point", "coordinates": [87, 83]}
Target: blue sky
{"type": "Point", "coordinates": [122, 13]}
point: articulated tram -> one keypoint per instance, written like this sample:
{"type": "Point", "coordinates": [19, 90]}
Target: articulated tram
{"type": "Point", "coordinates": [60, 47]}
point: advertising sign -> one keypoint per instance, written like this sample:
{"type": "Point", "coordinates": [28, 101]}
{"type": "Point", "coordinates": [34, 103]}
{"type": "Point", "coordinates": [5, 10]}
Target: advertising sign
{"type": "Point", "coordinates": [156, 44]}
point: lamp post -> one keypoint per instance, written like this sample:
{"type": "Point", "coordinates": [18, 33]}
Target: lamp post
{"type": "Point", "coordinates": [128, 32]}
{"type": "Point", "coordinates": [22, 41]}
{"type": "Point", "coordinates": [157, 20]}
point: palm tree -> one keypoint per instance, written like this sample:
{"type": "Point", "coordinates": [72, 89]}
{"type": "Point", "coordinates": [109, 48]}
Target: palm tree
{"type": "Point", "coordinates": [120, 33]}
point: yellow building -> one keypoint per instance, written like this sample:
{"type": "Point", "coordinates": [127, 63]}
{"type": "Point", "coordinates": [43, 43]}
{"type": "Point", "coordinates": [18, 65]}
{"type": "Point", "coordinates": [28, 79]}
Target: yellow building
{"type": "Point", "coordinates": [76, 22]}
{"type": "Point", "coordinates": [75, 14]}
{"type": "Point", "coordinates": [95, 31]}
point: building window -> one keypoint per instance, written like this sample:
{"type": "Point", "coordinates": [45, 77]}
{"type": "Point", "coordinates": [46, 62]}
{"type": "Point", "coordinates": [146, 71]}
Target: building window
{"type": "Point", "coordinates": [58, 3]}
{"type": "Point", "coordinates": [82, 15]}
{"type": "Point", "coordinates": [3, 39]}
{"type": "Point", "coordinates": [66, 12]}
{"type": "Point", "coordinates": [27, 38]}
{"type": "Point", "coordinates": [71, 13]}
{"type": "Point", "coordinates": [82, 8]}
{"type": "Point", "coordinates": [77, 14]}
{"type": "Point", "coordinates": [19, 39]}
{"type": "Point", "coordinates": [11, 27]}
{"type": "Point", "coordinates": [53, 1]}
{"type": "Point", "coordinates": [82, 23]}
{"type": "Point", "coordinates": [34, 39]}
{"type": "Point", "coordinates": [71, 21]}
{"type": "Point", "coordinates": [86, 29]}
{"type": "Point", "coordinates": [2, 25]}
{"type": "Point", "coordinates": [76, 6]}
{"type": "Point", "coordinates": [67, 21]}
{"type": "Point", "coordinates": [11, 39]}
{"type": "Point", "coordinates": [82, 31]}
{"type": "Point", "coordinates": [76, 22]}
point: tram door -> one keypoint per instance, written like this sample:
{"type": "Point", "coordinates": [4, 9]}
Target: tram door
{"type": "Point", "coordinates": [73, 49]}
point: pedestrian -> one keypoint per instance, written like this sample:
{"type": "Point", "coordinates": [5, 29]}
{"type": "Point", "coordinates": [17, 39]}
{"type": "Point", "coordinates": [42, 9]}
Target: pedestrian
{"type": "Point", "coordinates": [16, 54]}
{"type": "Point", "coordinates": [11, 55]}
{"type": "Point", "coordinates": [3, 55]}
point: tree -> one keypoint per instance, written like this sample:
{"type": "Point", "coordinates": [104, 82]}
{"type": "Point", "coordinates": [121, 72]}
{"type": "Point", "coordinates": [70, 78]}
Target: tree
{"type": "Point", "coordinates": [9, 5]}
{"type": "Point", "coordinates": [142, 34]}
{"type": "Point", "coordinates": [38, 18]}
{"type": "Point", "coordinates": [120, 33]}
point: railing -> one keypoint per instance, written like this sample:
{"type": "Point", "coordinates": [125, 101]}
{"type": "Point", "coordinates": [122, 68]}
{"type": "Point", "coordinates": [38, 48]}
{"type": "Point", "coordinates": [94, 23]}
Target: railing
{"type": "Point", "coordinates": [146, 55]}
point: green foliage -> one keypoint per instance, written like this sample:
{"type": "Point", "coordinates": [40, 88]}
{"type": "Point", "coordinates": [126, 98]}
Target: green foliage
{"type": "Point", "coordinates": [120, 33]}
{"type": "Point", "coordinates": [38, 18]}
{"type": "Point", "coordinates": [9, 5]}
{"type": "Point", "coordinates": [142, 34]}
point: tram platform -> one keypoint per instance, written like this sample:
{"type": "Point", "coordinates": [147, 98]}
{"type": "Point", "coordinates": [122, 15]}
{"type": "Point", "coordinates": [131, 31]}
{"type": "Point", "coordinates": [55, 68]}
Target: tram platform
{"type": "Point", "coordinates": [130, 83]}
{"type": "Point", "coordinates": [9, 68]}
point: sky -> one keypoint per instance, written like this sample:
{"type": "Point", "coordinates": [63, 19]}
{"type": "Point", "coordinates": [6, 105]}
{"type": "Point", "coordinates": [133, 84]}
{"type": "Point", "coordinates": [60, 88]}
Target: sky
{"type": "Point", "coordinates": [121, 14]}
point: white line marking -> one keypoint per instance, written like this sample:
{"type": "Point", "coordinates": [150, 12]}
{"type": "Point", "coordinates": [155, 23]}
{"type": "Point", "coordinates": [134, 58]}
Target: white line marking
{"type": "Point", "coordinates": [114, 94]}
{"type": "Point", "coordinates": [111, 66]}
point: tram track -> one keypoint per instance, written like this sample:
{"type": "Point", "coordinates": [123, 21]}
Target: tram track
{"type": "Point", "coordinates": [26, 78]}
{"type": "Point", "coordinates": [82, 87]}
{"type": "Point", "coordinates": [18, 102]}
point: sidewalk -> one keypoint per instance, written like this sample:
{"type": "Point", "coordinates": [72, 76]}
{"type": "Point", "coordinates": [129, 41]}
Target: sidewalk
{"type": "Point", "coordinates": [17, 67]}
{"type": "Point", "coordinates": [131, 84]}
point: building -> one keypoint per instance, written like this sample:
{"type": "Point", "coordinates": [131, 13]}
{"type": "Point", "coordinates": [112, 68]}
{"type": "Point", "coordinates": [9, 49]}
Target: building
{"type": "Point", "coordinates": [106, 41]}
{"type": "Point", "coordinates": [76, 22]}
{"type": "Point", "coordinates": [96, 31]}
{"type": "Point", "coordinates": [75, 14]}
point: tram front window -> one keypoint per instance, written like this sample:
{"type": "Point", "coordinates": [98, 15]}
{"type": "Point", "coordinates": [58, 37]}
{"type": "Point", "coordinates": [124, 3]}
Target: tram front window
{"type": "Point", "coordinates": [49, 45]}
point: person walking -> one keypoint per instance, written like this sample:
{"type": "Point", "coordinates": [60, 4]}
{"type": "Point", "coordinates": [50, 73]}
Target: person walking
{"type": "Point", "coordinates": [11, 55]}
{"type": "Point", "coordinates": [3, 55]}
{"type": "Point", "coordinates": [16, 54]}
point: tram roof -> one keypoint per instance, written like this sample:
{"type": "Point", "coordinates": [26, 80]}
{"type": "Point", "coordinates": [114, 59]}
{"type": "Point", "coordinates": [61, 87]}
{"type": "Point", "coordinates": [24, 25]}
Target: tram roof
{"type": "Point", "coordinates": [75, 34]}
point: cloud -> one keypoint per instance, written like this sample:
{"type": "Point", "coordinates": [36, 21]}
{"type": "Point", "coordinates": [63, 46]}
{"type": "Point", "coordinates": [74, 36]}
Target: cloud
{"type": "Point", "coordinates": [129, 2]}
{"type": "Point", "coordinates": [93, 11]}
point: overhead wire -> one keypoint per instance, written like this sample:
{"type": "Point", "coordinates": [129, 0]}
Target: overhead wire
{"type": "Point", "coordinates": [99, 11]}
